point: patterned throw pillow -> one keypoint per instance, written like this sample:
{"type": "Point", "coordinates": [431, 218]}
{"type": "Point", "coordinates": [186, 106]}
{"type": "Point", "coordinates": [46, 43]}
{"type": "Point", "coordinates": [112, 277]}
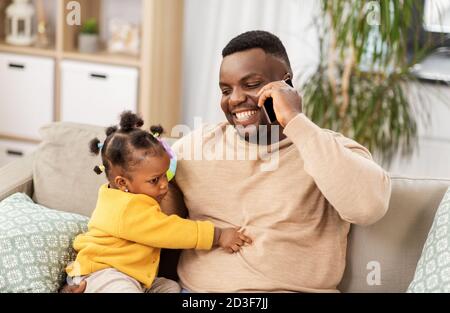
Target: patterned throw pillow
{"type": "Point", "coordinates": [433, 269]}
{"type": "Point", "coordinates": [35, 245]}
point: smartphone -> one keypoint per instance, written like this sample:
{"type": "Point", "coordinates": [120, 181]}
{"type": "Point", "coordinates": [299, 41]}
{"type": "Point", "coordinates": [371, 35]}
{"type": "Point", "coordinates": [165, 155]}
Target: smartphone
{"type": "Point", "coordinates": [268, 106]}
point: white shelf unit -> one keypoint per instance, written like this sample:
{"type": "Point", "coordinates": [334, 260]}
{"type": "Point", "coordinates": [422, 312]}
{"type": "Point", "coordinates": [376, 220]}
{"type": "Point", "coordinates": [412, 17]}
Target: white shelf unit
{"type": "Point", "coordinates": [11, 150]}
{"type": "Point", "coordinates": [96, 94]}
{"type": "Point", "coordinates": [27, 90]}
{"type": "Point", "coordinates": [154, 83]}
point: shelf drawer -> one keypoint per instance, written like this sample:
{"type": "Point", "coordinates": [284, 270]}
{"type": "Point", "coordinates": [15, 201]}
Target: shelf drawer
{"type": "Point", "coordinates": [96, 94]}
{"type": "Point", "coordinates": [12, 150]}
{"type": "Point", "coordinates": [27, 93]}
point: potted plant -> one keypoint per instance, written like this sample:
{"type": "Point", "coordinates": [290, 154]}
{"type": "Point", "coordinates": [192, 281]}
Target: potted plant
{"type": "Point", "coordinates": [88, 40]}
{"type": "Point", "coordinates": [361, 85]}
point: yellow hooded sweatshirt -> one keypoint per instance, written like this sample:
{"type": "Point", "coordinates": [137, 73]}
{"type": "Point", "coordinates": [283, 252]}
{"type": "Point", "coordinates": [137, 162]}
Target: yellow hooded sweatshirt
{"type": "Point", "coordinates": [127, 231]}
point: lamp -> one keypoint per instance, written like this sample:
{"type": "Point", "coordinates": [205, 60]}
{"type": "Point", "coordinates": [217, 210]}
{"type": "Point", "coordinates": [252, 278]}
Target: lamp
{"type": "Point", "coordinates": [19, 17]}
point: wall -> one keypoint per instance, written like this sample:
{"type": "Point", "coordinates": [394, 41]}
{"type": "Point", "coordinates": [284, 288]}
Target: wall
{"type": "Point", "coordinates": [209, 25]}
{"type": "Point", "coordinates": [432, 156]}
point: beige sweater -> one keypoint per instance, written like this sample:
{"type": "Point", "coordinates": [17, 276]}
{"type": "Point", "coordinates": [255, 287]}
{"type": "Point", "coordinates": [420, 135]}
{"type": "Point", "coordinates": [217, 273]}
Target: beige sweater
{"type": "Point", "coordinates": [298, 215]}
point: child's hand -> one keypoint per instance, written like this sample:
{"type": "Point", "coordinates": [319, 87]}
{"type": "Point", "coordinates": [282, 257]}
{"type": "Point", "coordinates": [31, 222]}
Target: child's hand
{"type": "Point", "coordinates": [74, 288]}
{"type": "Point", "coordinates": [231, 240]}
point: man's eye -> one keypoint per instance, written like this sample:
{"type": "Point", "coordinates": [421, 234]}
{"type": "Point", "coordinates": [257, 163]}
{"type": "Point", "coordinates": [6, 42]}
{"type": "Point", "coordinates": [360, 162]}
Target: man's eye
{"type": "Point", "coordinates": [225, 92]}
{"type": "Point", "coordinates": [154, 181]}
{"type": "Point", "coordinates": [253, 85]}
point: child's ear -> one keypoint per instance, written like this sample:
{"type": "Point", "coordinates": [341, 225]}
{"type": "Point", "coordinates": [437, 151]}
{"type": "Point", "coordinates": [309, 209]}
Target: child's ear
{"type": "Point", "coordinates": [121, 183]}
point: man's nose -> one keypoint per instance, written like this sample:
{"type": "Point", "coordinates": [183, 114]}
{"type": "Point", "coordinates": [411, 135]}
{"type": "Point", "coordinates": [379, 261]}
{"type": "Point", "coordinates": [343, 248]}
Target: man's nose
{"type": "Point", "coordinates": [237, 97]}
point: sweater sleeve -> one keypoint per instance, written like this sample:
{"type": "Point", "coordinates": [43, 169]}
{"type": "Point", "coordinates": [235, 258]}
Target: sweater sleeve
{"type": "Point", "coordinates": [343, 170]}
{"type": "Point", "coordinates": [147, 225]}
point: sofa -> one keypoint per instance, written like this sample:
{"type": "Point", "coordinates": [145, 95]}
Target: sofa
{"type": "Point", "coordinates": [59, 175]}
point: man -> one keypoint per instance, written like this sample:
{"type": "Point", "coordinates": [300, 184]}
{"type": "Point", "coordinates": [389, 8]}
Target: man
{"type": "Point", "coordinates": [299, 213]}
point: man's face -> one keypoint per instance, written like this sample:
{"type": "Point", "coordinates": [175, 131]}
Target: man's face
{"type": "Point", "coordinates": [242, 75]}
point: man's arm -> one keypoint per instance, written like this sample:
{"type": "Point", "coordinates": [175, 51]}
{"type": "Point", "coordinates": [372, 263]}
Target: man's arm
{"type": "Point", "coordinates": [173, 202]}
{"type": "Point", "coordinates": [343, 170]}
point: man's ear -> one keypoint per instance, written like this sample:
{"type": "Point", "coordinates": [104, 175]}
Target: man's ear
{"type": "Point", "coordinates": [122, 183]}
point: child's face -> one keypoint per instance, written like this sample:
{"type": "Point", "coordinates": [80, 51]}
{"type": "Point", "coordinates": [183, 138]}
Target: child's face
{"type": "Point", "coordinates": [149, 177]}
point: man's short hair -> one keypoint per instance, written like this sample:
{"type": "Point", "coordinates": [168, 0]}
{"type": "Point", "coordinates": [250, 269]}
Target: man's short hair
{"type": "Point", "coordinates": [268, 42]}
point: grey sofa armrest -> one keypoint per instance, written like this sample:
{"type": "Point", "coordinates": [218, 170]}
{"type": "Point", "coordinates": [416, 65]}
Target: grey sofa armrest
{"type": "Point", "coordinates": [17, 176]}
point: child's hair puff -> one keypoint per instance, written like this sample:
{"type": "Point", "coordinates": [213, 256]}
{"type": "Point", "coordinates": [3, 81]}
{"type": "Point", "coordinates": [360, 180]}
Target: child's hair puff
{"type": "Point", "coordinates": [121, 141]}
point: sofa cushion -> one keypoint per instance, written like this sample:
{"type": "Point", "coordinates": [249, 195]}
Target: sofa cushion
{"type": "Point", "coordinates": [63, 173]}
{"type": "Point", "coordinates": [35, 245]}
{"type": "Point", "coordinates": [392, 246]}
{"type": "Point", "coordinates": [433, 269]}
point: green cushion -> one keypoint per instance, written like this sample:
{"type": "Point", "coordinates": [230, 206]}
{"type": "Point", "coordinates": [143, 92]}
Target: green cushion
{"type": "Point", "coordinates": [433, 269]}
{"type": "Point", "coordinates": [35, 245]}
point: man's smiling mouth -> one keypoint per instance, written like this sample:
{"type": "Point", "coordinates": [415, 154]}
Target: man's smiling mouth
{"type": "Point", "coordinates": [245, 116]}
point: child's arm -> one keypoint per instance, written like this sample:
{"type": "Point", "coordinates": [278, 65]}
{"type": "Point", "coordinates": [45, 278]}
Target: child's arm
{"type": "Point", "coordinates": [149, 226]}
{"type": "Point", "coordinates": [230, 239]}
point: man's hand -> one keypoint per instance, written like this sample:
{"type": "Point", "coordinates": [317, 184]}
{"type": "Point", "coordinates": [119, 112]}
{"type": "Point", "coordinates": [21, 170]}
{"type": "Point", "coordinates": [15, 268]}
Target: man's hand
{"type": "Point", "coordinates": [74, 288]}
{"type": "Point", "coordinates": [287, 102]}
{"type": "Point", "coordinates": [232, 240]}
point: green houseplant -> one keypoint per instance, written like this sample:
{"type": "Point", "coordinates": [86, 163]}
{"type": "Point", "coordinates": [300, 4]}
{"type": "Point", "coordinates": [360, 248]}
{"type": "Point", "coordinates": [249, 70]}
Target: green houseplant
{"type": "Point", "coordinates": [361, 85]}
{"type": "Point", "coordinates": [88, 41]}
